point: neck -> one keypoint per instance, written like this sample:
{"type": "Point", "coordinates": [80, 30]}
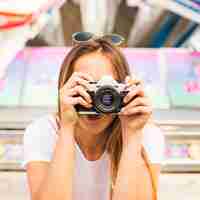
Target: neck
{"type": "Point", "coordinates": [92, 146]}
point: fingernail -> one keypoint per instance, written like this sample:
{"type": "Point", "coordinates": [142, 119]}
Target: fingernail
{"type": "Point", "coordinates": [89, 105]}
{"type": "Point", "coordinates": [122, 110]}
{"type": "Point", "coordinates": [125, 100]}
{"type": "Point", "coordinates": [119, 113]}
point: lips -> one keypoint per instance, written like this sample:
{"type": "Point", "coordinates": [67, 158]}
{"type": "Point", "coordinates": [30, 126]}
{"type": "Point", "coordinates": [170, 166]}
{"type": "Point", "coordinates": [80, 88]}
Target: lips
{"type": "Point", "coordinates": [93, 117]}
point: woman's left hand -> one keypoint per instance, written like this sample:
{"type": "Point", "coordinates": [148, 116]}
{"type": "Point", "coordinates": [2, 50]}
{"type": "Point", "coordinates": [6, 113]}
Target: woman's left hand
{"type": "Point", "coordinates": [137, 111]}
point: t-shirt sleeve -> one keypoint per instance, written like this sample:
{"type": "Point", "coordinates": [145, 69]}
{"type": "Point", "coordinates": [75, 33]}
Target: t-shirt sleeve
{"type": "Point", "coordinates": [38, 142]}
{"type": "Point", "coordinates": [154, 144]}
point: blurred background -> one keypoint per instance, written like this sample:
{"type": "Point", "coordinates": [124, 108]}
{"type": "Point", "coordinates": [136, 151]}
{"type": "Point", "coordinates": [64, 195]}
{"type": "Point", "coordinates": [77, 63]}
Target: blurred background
{"type": "Point", "coordinates": [162, 48]}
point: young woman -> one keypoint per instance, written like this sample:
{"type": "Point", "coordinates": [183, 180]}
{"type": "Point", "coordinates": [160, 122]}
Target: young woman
{"type": "Point", "coordinates": [94, 157]}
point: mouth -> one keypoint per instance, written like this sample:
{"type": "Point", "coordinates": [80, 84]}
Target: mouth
{"type": "Point", "coordinates": [93, 117]}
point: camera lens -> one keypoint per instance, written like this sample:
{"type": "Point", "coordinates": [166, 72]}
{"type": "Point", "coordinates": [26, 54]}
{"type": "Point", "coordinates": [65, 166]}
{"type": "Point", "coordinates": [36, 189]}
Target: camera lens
{"type": "Point", "coordinates": [107, 100]}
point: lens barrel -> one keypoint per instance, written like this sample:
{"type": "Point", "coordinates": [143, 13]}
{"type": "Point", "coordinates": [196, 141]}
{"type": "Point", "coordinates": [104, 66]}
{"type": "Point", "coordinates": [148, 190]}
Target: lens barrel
{"type": "Point", "coordinates": [107, 100]}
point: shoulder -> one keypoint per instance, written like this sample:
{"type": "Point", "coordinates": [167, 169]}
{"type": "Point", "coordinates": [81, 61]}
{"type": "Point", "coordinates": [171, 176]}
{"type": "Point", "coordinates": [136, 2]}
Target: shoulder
{"type": "Point", "coordinates": [40, 133]}
{"type": "Point", "coordinates": [39, 140]}
{"type": "Point", "coordinates": [154, 142]}
{"type": "Point", "coordinates": [44, 125]}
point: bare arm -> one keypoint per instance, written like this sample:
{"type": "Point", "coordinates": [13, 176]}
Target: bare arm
{"type": "Point", "coordinates": [133, 180]}
{"type": "Point", "coordinates": [53, 181]}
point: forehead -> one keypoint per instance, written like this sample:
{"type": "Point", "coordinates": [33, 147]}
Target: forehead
{"type": "Point", "coordinates": [95, 64]}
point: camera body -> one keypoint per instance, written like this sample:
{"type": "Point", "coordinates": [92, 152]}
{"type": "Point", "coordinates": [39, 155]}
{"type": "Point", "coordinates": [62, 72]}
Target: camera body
{"type": "Point", "coordinates": [107, 96]}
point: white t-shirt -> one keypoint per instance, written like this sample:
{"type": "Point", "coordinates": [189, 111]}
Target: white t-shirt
{"type": "Point", "coordinates": [91, 178]}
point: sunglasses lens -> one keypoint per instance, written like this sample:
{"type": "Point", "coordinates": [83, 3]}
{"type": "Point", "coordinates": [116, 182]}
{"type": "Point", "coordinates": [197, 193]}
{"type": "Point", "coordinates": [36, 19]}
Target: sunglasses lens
{"type": "Point", "coordinates": [114, 39]}
{"type": "Point", "coordinates": [82, 36]}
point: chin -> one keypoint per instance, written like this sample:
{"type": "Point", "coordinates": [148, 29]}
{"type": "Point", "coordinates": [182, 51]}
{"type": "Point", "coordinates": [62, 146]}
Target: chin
{"type": "Point", "coordinates": [95, 123]}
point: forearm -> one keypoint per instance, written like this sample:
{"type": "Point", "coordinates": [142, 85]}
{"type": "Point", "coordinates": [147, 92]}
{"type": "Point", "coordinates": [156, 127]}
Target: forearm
{"type": "Point", "coordinates": [133, 180]}
{"type": "Point", "coordinates": [58, 182]}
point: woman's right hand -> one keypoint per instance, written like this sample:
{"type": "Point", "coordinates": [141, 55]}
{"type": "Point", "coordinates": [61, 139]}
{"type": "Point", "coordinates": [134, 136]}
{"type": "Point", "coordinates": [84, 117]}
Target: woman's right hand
{"type": "Point", "coordinates": [72, 93]}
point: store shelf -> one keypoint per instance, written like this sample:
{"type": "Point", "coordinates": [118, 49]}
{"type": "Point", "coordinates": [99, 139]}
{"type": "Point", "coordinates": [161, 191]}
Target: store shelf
{"type": "Point", "coordinates": [183, 135]}
{"type": "Point", "coordinates": [10, 166]}
{"type": "Point", "coordinates": [9, 117]}
{"type": "Point", "coordinates": [181, 165]}
{"type": "Point", "coordinates": [179, 117]}
{"type": "Point", "coordinates": [169, 165]}
{"type": "Point", "coordinates": [11, 133]}
{"type": "Point", "coordinates": [185, 132]}
{"type": "Point", "coordinates": [177, 9]}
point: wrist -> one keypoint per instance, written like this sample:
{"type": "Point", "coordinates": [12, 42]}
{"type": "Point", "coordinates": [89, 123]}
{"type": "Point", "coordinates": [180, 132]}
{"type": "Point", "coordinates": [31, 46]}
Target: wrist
{"type": "Point", "coordinates": [67, 129]}
{"type": "Point", "coordinates": [132, 137]}
{"type": "Point", "coordinates": [66, 139]}
{"type": "Point", "coordinates": [133, 150]}
{"type": "Point", "coordinates": [134, 145]}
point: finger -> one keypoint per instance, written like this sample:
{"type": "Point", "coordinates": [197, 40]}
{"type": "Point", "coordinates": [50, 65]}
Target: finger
{"type": "Point", "coordinates": [80, 81]}
{"type": "Point", "coordinates": [138, 101]}
{"type": "Point", "coordinates": [76, 100]}
{"type": "Point", "coordinates": [132, 81]}
{"type": "Point", "coordinates": [84, 76]}
{"type": "Point", "coordinates": [78, 78]}
{"type": "Point", "coordinates": [137, 110]}
{"type": "Point", "coordinates": [134, 91]}
{"type": "Point", "coordinates": [76, 81]}
{"type": "Point", "coordinates": [79, 90]}
{"type": "Point", "coordinates": [81, 101]}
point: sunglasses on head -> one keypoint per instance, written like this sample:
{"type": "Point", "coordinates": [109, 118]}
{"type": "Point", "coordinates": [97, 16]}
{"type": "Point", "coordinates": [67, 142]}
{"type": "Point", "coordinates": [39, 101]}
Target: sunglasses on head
{"type": "Point", "coordinates": [81, 37]}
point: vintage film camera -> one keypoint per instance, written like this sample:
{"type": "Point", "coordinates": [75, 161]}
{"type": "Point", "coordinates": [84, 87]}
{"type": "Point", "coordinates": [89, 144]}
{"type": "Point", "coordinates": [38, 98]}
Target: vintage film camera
{"type": "Point", "coordinates": [107, 96]}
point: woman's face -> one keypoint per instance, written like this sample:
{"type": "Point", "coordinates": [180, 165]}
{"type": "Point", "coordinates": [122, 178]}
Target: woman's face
{"type": "Point", "coordinates": [96, 65]}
